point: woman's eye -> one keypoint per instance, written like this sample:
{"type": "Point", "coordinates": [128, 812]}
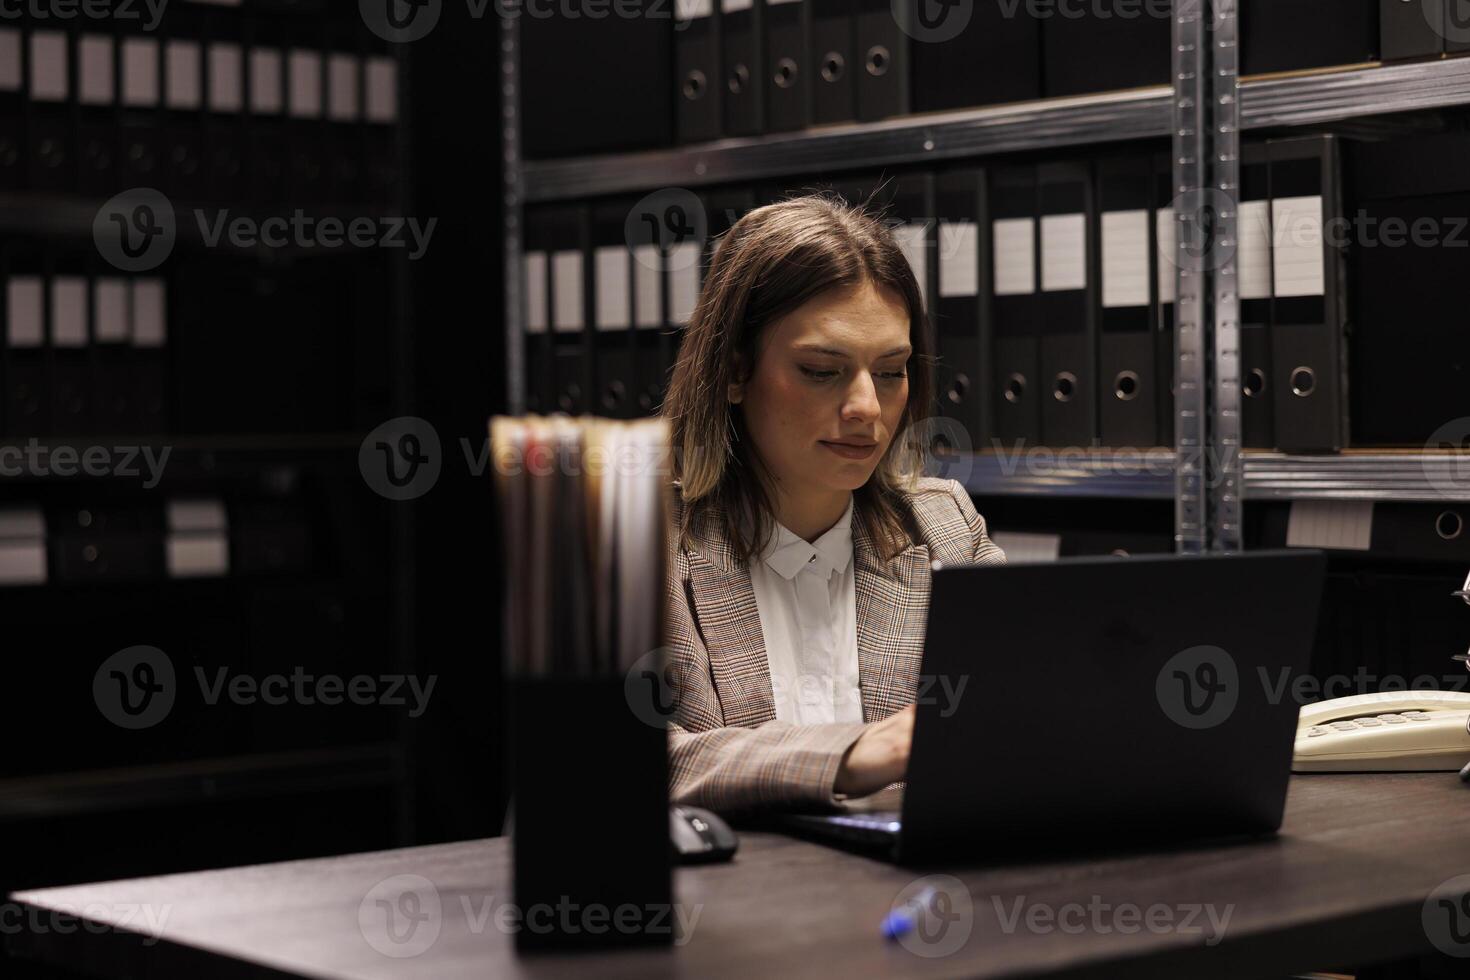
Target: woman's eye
{"type": "Point", "coordinates": [818, 374]}
{"type": "Point", "coordinates": [895, 375]}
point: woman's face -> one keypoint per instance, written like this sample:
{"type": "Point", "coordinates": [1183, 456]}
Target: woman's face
{"type": "Point", "coordinates": [829, 388]}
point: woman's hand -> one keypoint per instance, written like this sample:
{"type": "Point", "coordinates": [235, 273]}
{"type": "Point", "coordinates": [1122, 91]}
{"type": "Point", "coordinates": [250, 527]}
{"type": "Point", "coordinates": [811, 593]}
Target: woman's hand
{"type": "Point", "coordinates": [880, 755]}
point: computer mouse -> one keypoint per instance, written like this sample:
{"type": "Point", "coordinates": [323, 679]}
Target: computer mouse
{"type": "Point", "coordinates": [700, 837]}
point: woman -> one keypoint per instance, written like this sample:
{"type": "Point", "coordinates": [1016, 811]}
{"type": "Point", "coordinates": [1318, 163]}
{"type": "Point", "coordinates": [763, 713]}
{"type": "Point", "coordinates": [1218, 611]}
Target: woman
{"type": "Point", "coordinates": [799, 579]}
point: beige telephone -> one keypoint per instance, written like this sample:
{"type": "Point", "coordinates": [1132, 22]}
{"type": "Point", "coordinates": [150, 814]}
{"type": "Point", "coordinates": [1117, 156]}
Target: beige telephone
{"type": "Point", "coordinates": [1393, 731]}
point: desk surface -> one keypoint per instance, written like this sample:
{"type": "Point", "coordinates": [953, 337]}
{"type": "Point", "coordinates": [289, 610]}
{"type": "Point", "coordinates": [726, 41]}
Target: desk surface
{"type": "Point", "coordinates": [1347, 881]}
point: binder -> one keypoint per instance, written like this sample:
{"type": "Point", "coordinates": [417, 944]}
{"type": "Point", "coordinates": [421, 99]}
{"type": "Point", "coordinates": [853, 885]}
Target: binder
{"type": "Point", "coordinates": [1410, 358]}
{"type": "Point", "coordinates": [722, 208]}
{"type": "Point", "coordinates": [1067, 353]}
{"type": "Point", "coordinates": [143, 133]}
{"type": "Point", "coordinates": [1456, 26]}
{"type": "Point", "coordinates": [648, 327]}
{"type": "Point", "coordinates": [225, 129]}
{"type": "Point", "coordinates": [27, 408]}
{"type": "Point", "coordinates": [570, 282]}
{"type": "Point", "coordinates": [961, 273]}
{"type": "Point", "coordinates": [1166, 262]}
{"type": "Point", "coordinates": [834, 61]}
{"type": "Point", "coordinates": [1100, 50]}
{"type": "Point", "coordinates": [71, 372]}
{"type": "Point", "coordinates": [1253, 284]}
{"type": "Point", "coordinates": [22, 546]}
{"type": "Point", "coordinates": [113, 402]}
{"type": "Point", "coordinates": [97, 126]}
{"type": "Point", "coordinates": [789, 74]}
{"type": "Point", "coordinates": [52, 156]}
{"type": "Point", "coordinates": [107, 543]}
{"type": "Point", "coordinates": [1015, 306]}
{"type": "Point", "coordinates": [1128, 372]}
{"type": "Point", "coordinates": [1289, 35]}
{"type": "Point", "coordinates": [995, 58]}
{"type": "Point", "coordinates": [13, 162]}
{"type": "Point", "coordinates": [883, 55]}
{"type": "Point", "coordinates": [1308, 309]}
{"type": "Point", "coordinates": [742, 44]}
{"type": "Point", "coordinates": [183, 101]}
{"type": "Point", "coordinates": [907, 203]}
{"type": "Point", "coordinates": [1421, 532]}
{"type": "Point", "coordinates": [381, 99]}
{"type": "Point", "coordinates": [697, 62]}
{"type": "Point", "coordinates": [611, 262]}
{"type": "Point", "coordinates": [1412, 30]}
{"type": "Point", "coordinates": [682, 265]}
{"type": "Point", "coordinates": [541, 228]}
{"type": "Point", "coordinates": [265, 89]}
{"type": "Point", "coordinates": [149, 368]}
{"type": "Point", "coordinates": [345, 145]}
{"type": "Point", "coordinates": [308, 150]}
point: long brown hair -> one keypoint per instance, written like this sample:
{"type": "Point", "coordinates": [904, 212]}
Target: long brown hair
{"type": "Point", "coordinates": [770, 262]}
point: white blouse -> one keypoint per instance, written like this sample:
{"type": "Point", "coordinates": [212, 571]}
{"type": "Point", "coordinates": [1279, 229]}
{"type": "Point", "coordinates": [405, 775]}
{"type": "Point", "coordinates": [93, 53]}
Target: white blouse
{"type": "Point", "coordinates": [807, 598]}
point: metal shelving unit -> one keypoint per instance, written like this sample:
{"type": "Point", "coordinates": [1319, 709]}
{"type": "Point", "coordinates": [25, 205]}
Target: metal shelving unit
{"type": "Point", "coordinates": [1204, 112]}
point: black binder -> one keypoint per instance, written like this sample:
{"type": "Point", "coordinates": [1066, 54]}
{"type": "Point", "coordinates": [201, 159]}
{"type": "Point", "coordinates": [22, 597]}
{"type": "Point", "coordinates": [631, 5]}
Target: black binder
{"type": "Point", "coordinates": [48, 64]}
{"type": "Point", "coordinates": [1410, 357]}
{"type": "Point", "coordinates": [569, 310]}
{"type": "Point", "coordinates": [1127, 351]}
{"type": "Point", "coordinates": [882, 71]}
{"type": "Point", "coordinates": [789, 66]}
{"type": "Point", "coordinates": [183, 103]}
{"type": "Point", "coordinates": [1068, 346]}
{"type": "Point", "coordinates": [13, 162]}
{"type": "Point", "coordinates": [995, 58]}
{"type": "Point", "coordinates": [611, 264]}
{"type": "Point", "coordinates": [1288, 35]}
{"type": "Point", "coordinates": [380, 106]}
{"type": "Point", "coordinates": [723, 206]}
{"type": "Point", "coordinates": [308, 151]}
{"type": "Point", "coordinates": [97, 149]}
{"type": "Point", "coordinates": [835, 62]}
{"type": "Point", "coordinates": [962, 274]}
{"type": "Point", "coordinates": [541, 227]}
{"type": "Point", "coordinates": [114, 407]}
{"type": "Point", "coordinates": [149, 357]}
{"type": "Point", "coordinates": [143, 139]}
{"type": "Point", "coordinates": [1253, 282]}
{"type": "Point", "coordinates": [1456, 26]}
{"type": "Point", "coordinates": [698, 85]}
{"type": "Point", "coordinates": [27, 404]}
{"type": "Point", "coordinates": [345, 146]}
{"type": "Point", "coordinates": [1308, 309]}
{"type": "Point", "coordinates": [742, 42]}
{"type": "Point", "coordinates": [225, 130]}
{"type": "Point", "coordinates": [1015, 306]}
{"type": "Point", "coordinates": [1412, 30]}
{"type": "Point", "coordinates": [683, 266]}
{"type": "Point", "coordinates": [265, 88]}
{"type": "Point", "coordinates": [71, 370]}
{"type": "Point", "coordinates": [1099, 50]}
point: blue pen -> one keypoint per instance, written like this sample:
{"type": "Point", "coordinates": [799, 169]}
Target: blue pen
{"type": "Point", "coordinates": [904, 919]}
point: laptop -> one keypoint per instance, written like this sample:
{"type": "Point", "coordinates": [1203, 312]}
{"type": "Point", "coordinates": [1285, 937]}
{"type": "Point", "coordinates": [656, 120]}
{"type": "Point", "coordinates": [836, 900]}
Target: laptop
{"type": "Point", "coordinates": [1098, 702]}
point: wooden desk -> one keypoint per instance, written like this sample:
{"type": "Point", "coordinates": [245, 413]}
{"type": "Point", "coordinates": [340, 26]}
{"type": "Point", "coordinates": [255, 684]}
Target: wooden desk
{"type": "Point", "coordinates": [1346, 882]}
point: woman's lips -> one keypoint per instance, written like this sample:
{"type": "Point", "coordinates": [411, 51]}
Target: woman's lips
{"type": "Point", "coordinates": [850, 451]}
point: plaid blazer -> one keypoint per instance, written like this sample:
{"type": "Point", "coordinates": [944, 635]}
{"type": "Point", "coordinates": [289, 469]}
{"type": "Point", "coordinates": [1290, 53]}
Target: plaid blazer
{"type": "Point", "coordinates": [727, 750]}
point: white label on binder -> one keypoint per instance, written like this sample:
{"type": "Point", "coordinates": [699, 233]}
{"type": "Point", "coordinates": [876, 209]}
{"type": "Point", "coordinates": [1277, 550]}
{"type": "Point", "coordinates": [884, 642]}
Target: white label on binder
{"type": "Point", "coordinates": [735, 6]}
{"type": "Point", "coordinates": [1253, 255]}
{"type": "Point", "coordinates": [48, 66]}
{"type": "Point", "coordinates": [382, 90]}
{"type": "Point", "coordinates": [1166, 229]}
{"type": "Point", "coordinates": [24, 523]}
{"type": "Point", "coordinates": [1022, 547]}
{"type": "Point", "coordinates": [94, 61]}
{"type": "Point", "coordinates": [342, 88]}
{"type": "Point", "coordinates": [197, 515]}
{"type": "Point", "coordinates": [1296, 224]}
{"type": "Point", "coordinates": [1063, 252]}
{"type": "Point", "coordinates": [140, 71]}
{"type": "Point", "coordinates": [683, 282]}
{"type": "Point", "coordinates": [959, 258]}
{"type": "Point", "coordinates": [1014, 261]}
{"type": "Point", "coordinates": [265, 80]}
{"type": "Point", "coordinates": [149, 316]}
{"type": "Point", "coordinates": [69, 311]}
{"type": "Point", "coordinates": [9, 60]}
{"type": "Point", "coordinates": [911, 242]}
{"type": "Point", "coordinates": [1124, 259]}
{"type": "Point", "coordinates": [25, 316]}
{"type": "Point", "coordinates": [692, 9]}
{"type": "Point", "coordinates": [22, 562]}
{"type": "Point", "coordinates": [566, 290]}
{"type": "Point", "coordinates": [110, 310]}
{"type": "Point", "coordinates": [182, 82]}
{"type": "Point", "coordinates": [614, 303]}
{"type": "Point", "coordinates": [647, 292]}
{"type": "Point", "coordinates": [197, 555]}
{"type": "Point", "coordinates": [305, 71]}
{"type": "Point", "coordinates": [1341, 524]}
{"type": "Point", "coordinates": [226, 78]}
{"type": "Point", "coordinates": [535, 266]}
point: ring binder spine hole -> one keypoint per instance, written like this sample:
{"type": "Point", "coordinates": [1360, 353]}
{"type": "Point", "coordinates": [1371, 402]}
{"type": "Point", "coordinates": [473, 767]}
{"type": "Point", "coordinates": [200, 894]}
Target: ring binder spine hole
{"type": "Point", "coordinates": [1015, 388]}
{"type": "Point", "coordinates": [1449, 525]}
{"type": "Point", "coordinates": [1255, 383]}
{"type": "Point", "coordinates": [694, 84]}
{"type": "Point", "coordinates": [786, 73]}
{"type": "Point", "coordinates": [878, 59]}
{"type": "Point", "coordinates": [1125, 386]}
{"type": "Point", "coordinates": [1303, 382]}
{"type": "Point", "coordinates": [1064, 386]}
{"type": "Point", "coordinates": [833, 65]}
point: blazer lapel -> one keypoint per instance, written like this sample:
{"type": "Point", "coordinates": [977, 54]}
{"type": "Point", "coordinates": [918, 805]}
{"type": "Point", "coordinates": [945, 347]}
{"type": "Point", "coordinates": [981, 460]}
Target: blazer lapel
{"type": "Point", "coordinates": [892, 606]}
{"type": "Point", "coordinates": [725, 610]}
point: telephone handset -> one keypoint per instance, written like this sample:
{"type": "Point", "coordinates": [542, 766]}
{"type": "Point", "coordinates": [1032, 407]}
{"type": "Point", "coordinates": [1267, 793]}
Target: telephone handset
{"type": "Point", "coordinates": [1392, 731]}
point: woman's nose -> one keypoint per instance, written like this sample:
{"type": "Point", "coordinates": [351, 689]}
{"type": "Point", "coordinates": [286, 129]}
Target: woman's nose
{"type": "Point", "coordinates": [862, 398]}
